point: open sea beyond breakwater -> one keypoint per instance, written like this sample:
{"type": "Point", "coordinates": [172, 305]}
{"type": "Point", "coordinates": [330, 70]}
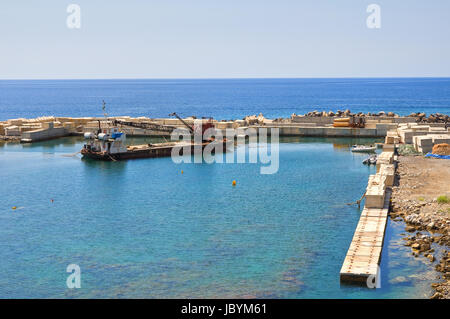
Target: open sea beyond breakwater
{"type": "Point", "coordinates": [221, 99]}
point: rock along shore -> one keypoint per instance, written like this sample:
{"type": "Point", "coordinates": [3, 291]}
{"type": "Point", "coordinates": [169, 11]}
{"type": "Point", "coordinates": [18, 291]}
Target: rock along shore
{"type": "Point", "coordinates": [420, 200]}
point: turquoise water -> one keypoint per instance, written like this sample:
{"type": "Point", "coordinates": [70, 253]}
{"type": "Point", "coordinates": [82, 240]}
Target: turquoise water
{"type": "Point", "coordinates": [142, 229]}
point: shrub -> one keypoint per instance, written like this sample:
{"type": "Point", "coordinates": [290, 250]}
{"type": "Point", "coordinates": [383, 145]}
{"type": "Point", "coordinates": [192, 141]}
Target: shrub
{"type": "Point", "coordinates": [405, 149]}
{"type": "Point", "coordinates": [443, 199]}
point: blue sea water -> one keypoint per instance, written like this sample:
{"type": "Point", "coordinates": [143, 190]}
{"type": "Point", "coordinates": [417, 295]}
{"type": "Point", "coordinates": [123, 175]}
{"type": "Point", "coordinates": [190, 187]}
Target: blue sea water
{"type": "Point", "coordinates": [143, 229]}
{"type": "Point", "coordinates": [221, 99]}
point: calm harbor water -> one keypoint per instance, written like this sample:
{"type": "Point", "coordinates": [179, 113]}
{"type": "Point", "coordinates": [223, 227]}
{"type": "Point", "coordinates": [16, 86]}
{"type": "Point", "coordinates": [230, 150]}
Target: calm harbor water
{"type": "Point", "coordinates": [142, 229]}
{"type": "Point", "coordinates": [221, 99]}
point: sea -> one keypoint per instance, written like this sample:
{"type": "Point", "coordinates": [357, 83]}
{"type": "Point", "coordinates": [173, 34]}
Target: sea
{"type": "Point", "coordinates": [152, 228]}
{"type": "Point", "coordinates": [221, 98]}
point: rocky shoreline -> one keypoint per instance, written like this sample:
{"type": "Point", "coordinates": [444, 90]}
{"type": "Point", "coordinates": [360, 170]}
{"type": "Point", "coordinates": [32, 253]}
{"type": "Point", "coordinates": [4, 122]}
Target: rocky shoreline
{"type": "Point", "coordinates": [414, 200]}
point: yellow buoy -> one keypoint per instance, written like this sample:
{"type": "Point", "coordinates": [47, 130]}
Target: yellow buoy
{"type": "Point", "coordinates": [182, 172]}
{"type": "Point", "coordinates": [234, 183]}
{"type": "Point", "coordinates": [14, 207]}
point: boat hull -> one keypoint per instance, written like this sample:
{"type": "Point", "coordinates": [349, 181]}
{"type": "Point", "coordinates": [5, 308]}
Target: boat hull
{"type": "Point", "coordinates": [150, 152]}
{"type": "Point", "coordinates": [366, 150]}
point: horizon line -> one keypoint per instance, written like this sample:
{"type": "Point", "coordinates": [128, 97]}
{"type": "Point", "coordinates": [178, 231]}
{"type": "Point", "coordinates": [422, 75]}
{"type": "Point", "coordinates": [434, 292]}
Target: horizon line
{"type": "Point", "coordinates": [225, 78]}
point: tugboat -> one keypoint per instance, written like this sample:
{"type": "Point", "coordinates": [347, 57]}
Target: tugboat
{"type": "Point", "coordinates": [109, 144]}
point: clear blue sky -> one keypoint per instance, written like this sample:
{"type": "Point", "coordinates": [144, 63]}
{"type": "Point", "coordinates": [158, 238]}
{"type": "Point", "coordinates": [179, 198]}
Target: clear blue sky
{"type": "Point", "coordinates": [223, 38]}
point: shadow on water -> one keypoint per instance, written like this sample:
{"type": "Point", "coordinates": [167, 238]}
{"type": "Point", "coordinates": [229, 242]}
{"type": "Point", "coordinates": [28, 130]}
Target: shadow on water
{"type": "Point", "coordinates": [51, 144]}
{"type": "Point", "coordinates": [384, 262]}
{"type": "Point", "coordinates": [104, 165]}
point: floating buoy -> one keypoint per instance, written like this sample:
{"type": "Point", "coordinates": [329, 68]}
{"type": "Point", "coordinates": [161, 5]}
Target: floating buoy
{"type": "Point", "coordinates": [182, 172]}
{"type": "Point", "coordinates": [234, 183]}
{"type": "Point", "coordinates": [14, 207]}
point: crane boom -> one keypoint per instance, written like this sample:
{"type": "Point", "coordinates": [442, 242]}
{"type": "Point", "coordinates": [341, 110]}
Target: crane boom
{"type": "Point", "coordinates": [146, 125]}
{"type": "Point", "coordinates": [191, 129]}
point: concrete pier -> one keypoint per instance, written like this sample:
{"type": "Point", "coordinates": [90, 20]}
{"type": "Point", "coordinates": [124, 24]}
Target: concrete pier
{"type": "Point", "coordinates": [361, 264]}
{"type": "Point", "coordinates": [362, 261]}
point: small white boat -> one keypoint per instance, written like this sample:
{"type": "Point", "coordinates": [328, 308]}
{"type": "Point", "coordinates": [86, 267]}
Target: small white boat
{"type": "Point", "coordinates": [371, 160]}
{"type": "Point", "coordinates": [363, 148]}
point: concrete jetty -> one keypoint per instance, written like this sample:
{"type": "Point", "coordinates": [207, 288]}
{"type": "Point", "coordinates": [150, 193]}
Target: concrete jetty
{"type": "Point", "coordinates": [361, 264]}
{"type": "Point", "coordinates": [363, 257]}
{"type": "Point", "coordinates": [396, 129]}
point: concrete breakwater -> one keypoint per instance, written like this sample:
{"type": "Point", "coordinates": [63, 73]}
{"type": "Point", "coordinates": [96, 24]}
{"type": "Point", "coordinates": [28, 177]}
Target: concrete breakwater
{"type": "Point", "coordinates": [361, 264]}
{"type": "Point", "coordinates": [43, 128]}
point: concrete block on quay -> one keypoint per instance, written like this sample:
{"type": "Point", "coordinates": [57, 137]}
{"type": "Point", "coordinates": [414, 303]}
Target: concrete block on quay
{"type": "Point", "coordinates": [375, 191]}
{"type": "Point", "coordinates": [385, 158]}
{"type": "Point", "coordinates": [406, 136]}
{"type": "Point", "coordinates": [383, 128]}
{"type": "Point", "coordinates": [224, 125]}
{"type": "Point", "coordinates": [388, 170]}
{"type": "Point", "coordinates": [440, 139]}
{"type": "Point", "coordinates": [424, 144]}
{"type": "Point", "coordinates": [12, 130]}
{"type": "Point", "coordinates": [388, 147]}
{"type": "Point", "coordinates": [44, 134]}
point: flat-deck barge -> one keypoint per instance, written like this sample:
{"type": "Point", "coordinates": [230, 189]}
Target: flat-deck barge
{"type": "Point", "coordinates": [109, 145]}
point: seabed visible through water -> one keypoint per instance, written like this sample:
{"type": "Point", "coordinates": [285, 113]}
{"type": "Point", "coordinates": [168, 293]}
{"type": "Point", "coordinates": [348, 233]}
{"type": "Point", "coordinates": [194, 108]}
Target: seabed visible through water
{"type": "Point", "coordinates": [142, 229]}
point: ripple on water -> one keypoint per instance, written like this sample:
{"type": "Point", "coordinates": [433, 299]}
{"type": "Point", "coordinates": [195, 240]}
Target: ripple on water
{"type": "Point", "coordinates": [139, 230]}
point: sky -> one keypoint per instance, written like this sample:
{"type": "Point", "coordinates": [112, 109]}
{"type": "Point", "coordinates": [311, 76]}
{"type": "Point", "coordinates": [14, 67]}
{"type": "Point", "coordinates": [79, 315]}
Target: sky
{"type": "Point", "coordinates": [223, 39]}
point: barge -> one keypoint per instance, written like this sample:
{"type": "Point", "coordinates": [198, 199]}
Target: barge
{"type": "Point", "coordinates": [109, 145]}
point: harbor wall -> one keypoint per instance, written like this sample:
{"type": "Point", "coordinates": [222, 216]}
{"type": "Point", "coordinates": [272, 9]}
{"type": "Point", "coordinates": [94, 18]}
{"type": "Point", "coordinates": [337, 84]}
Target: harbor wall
{"type": "Point", "coordinates": [323, 131]}
{"type": "Point", "coordinates": [45, 133]}
{"type": "Point", "coordinates": [31, 130]}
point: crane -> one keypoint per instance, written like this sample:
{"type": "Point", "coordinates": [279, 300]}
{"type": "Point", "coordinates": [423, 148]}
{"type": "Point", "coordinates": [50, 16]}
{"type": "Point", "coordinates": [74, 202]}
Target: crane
{"type": "Point", "coordinates": [163, 128]}
{"type": "Point", "coordinates": [146, 125]}
{"type": "Point", "coordinates": [205, 126]}
{"type": "Point", "coordinates": [191, 129]}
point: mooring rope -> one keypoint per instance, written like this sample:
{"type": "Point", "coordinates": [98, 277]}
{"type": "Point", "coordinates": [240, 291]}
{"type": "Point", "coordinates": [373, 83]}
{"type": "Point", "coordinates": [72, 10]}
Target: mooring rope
{"type": "Point", "coordinates": [358, 201]}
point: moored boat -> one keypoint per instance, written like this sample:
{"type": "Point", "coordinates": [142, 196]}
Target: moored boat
{"type": "Point", "coordinates": [109, 145]}
{"type": "Point", "coordinates": [371, 160]}
{"type": "Point", "coordinates": [363, 148]}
